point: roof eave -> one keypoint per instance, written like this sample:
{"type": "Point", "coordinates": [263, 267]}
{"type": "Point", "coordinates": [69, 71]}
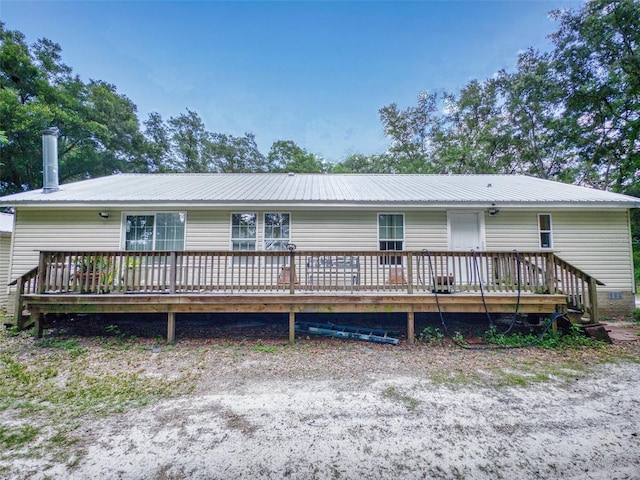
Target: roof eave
{"type": "Point", "coordinates": [311, 204]}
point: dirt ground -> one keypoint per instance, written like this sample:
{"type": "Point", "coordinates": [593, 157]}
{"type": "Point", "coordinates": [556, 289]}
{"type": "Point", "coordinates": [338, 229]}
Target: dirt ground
{"type": "Point", "coordinates": [328, 408]}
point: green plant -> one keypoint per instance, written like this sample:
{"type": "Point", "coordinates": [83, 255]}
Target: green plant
{"type": "Point", "coordinates": [16, 437]}
{"type": "Point", "coordinates": [636, 315]}
{"type": "Point", "coordinates": [431, 335]}
{"type": "Point", "coordinates": [458, 338]}
{"type": "Point", "coordinates": [12, 331]}
{"type": "Point", "coordinates": [71, 345]}
{"type": "Point", "coordinates": [100, 266]}
{"type": "Point", "coordinates": [408, 401]}
{"type": "Point", "coordinates": [265, 348]}
{"type": "Point", "coordinates": [92, 264]}
{"type": "Point", "coordinates": [574, 338]}
{"type": "Point", "coordinates": [118, 338]}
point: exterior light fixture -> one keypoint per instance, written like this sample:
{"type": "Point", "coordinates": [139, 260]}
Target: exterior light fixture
{"type": "Point", "coordinates": [104, 214]}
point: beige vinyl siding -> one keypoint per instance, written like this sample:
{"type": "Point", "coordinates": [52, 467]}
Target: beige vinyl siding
{"type": "Point", "coordinates": [5, 252]}
{"type": "Point", "coordinates": [334, 230]}
{"type": "Point", "coordinates": [512, 230]}
{"type": "Point", "coordinates": [320, 230]}
{"type": "Point", "coordinates": [37, 230]}
{"type": "Point", "coordinates": [207, 230]}
{"type": "Point", "coordinates": [425, 230]}
{"type": "Point", "coordinates": [598, 243]}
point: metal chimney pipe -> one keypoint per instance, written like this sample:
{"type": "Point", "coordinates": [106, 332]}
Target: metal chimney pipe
{"type": "Point", "coordinates": [50, 160]}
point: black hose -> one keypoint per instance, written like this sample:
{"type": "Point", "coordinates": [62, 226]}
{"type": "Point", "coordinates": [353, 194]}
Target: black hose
{"type": "Point", "coordinates": [484, 303]}
{"type": "Point", "coordinates": [553, 318]}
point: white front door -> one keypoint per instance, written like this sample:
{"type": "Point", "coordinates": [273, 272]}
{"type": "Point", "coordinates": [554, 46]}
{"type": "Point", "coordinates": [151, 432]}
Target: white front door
{"type": "Point", "coordinates": [465, 232]}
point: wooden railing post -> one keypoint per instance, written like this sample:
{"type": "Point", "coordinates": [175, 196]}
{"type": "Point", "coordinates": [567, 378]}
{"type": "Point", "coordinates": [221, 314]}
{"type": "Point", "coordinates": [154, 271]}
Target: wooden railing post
{"type": "Point", "coordinates": [17, 306]}
{"type": "Point", "coordinates": [593, 299]}
{"type": "Point", "coordinates": [292, 264]}
{"type": "Point", "coordinates": [409, 273]}
{"type": "Point", "coordinates": [551, 278]}
{"type": "Point", "coordinates": [172, 272]}
{"type": "Point", "coordinates": [42, 273]}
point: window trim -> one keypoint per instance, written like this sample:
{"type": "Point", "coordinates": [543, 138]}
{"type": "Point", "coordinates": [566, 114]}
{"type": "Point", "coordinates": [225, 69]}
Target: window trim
{"type": "Point", "coordinates": [264, 228]}
{"type": "Point", "coordinates": [404, 234]}
{"type": "Point", "coordinates": [154, 213]}
{"type": "Point", "coordinates": [541, 231]}
{"type": "Point", "coordinates": [231, 238]}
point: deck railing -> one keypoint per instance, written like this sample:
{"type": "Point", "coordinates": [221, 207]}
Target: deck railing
{"type": "Point", "coordinates": [313, 272]}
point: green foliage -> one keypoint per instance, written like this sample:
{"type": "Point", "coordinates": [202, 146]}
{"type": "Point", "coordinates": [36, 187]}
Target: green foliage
{"type": "Point", "coordinates": [458, 338]}
{"type": "Point", "coordinates": [16, 437]}
{"type": "Point", "coordinates": [71, 345]}
{"type": "Point", "coordinates": [636, 315]}
{"type": "Point", "coordinates": [431, 335]}
{"type": "Point", "coordinates": [569, 115]}
{"type": "Point", "coordinates": [575, 338]}
{"type": "Point", "coordinates": [409, 402]}
{"type": "Point", "coordinates": [286, 156]}
{"type": "Point", "coordinates": [99, 130]}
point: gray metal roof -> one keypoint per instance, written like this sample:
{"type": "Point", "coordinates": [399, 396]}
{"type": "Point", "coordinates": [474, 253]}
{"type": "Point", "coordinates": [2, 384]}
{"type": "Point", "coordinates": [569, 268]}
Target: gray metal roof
{"type": "Point", "coordinates": [309, 189]}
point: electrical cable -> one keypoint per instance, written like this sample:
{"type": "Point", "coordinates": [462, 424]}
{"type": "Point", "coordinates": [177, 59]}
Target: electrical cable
{"type": "Point", "coordinates": [544, 331]}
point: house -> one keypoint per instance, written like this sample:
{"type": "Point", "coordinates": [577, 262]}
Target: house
{"type": "Point", "coordinates": [6, 227]}
{"type": "Point", "coordinates": [294, 243]}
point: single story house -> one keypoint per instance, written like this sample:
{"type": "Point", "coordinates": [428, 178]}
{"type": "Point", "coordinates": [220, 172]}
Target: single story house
{"type": "Point", "coordinates": [297, 243]}
{"type": "Point", "coordinates": [6, 227]}
{"type": "Point", "coordinates": [461, 234]}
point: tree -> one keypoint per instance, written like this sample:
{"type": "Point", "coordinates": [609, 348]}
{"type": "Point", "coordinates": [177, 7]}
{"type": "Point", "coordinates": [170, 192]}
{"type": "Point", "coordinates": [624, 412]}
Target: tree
{"type": "Point", "coordinates": [158, 145]}
{"type": "Point", "coordinates": [411, 132]}
{"type": "Point", "coordinates": [99, 130]}
{"type": "Point", "coordinates": [287, 156]}
{"type": "Point", "coordinates": [470, 134]}
{"type": "Point", "coordinates": [376, 163]}
{"type": "Point", "coordinates": [232, 154]}
{"type": "Point", "coordinates": [597, 60]}
{"type": "Point", "coordinates": [190, 144]}
{"type": "Point", "coordinates": [534, 122]}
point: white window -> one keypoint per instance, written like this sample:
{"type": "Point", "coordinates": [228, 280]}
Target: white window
{"type": "Point", "coordinates": [391, 235]}
{"type": "Point", "coordinates": [544, 229]}
{"type": "Point", "coordinates": [155, 231]}
{"type": "Point", "coordinates": [277, 231]}
{"type": "Point", "coordinates": [243, 231]}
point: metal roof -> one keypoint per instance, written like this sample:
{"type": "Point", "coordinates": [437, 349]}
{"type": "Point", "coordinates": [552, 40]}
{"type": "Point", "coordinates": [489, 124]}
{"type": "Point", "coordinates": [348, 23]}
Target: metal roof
{"type": "Point", "coordinates": [311, 189]}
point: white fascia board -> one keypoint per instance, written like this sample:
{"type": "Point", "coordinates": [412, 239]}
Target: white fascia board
{"type": "Point", "coordinates": [314, 205]}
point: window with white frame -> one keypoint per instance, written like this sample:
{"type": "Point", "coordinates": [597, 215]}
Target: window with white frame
{"type": "Point", "coordinates": [391, 236]}
{"type": "Point", "coordinates": [155, 231]}
{"type": "Point", "coordinates": [243, 231]}
{"type": "Point", "coordinates": [276, 231]}
{"type": "Point", "coordinates": [544, 229]}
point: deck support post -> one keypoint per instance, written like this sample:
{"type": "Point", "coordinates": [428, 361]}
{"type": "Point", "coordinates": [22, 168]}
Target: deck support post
{"type": "Point", "coordinates": [292, 327]}
{"type": "Point", "coordinates": [38, 319]}
{"type": "Point", "coordinates": [593, 300]}
{"type": "Point", "coordinates": [18, 306]}
{"type": "Point", "coordinates": [171, 328]}
{"type": "Point", "coordinates": [411, 334]}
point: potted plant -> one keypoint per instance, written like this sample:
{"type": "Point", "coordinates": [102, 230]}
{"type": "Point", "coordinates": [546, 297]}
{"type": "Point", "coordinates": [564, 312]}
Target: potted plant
{"type": "Point", "coordinates": [94, 273]}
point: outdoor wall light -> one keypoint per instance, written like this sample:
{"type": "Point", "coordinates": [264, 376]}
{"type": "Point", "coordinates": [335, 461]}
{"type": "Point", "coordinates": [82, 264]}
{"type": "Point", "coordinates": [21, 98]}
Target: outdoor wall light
{"type": "Point", "coordinates": [104, 214]}
{"type": "Point", "coordinates": [493, 212]}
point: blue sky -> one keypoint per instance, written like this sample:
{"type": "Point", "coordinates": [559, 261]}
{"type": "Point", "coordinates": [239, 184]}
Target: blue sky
{"type": "Point", "coordinates": [312, 72]}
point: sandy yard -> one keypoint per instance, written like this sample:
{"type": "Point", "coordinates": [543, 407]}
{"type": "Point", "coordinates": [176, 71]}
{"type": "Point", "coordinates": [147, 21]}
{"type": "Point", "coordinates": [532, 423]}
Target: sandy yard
{"type": "Point", "coordinates": [328, 408]}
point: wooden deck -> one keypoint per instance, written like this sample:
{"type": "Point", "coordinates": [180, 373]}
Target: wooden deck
{"type": "Point", "coordinates": [302, 282]}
